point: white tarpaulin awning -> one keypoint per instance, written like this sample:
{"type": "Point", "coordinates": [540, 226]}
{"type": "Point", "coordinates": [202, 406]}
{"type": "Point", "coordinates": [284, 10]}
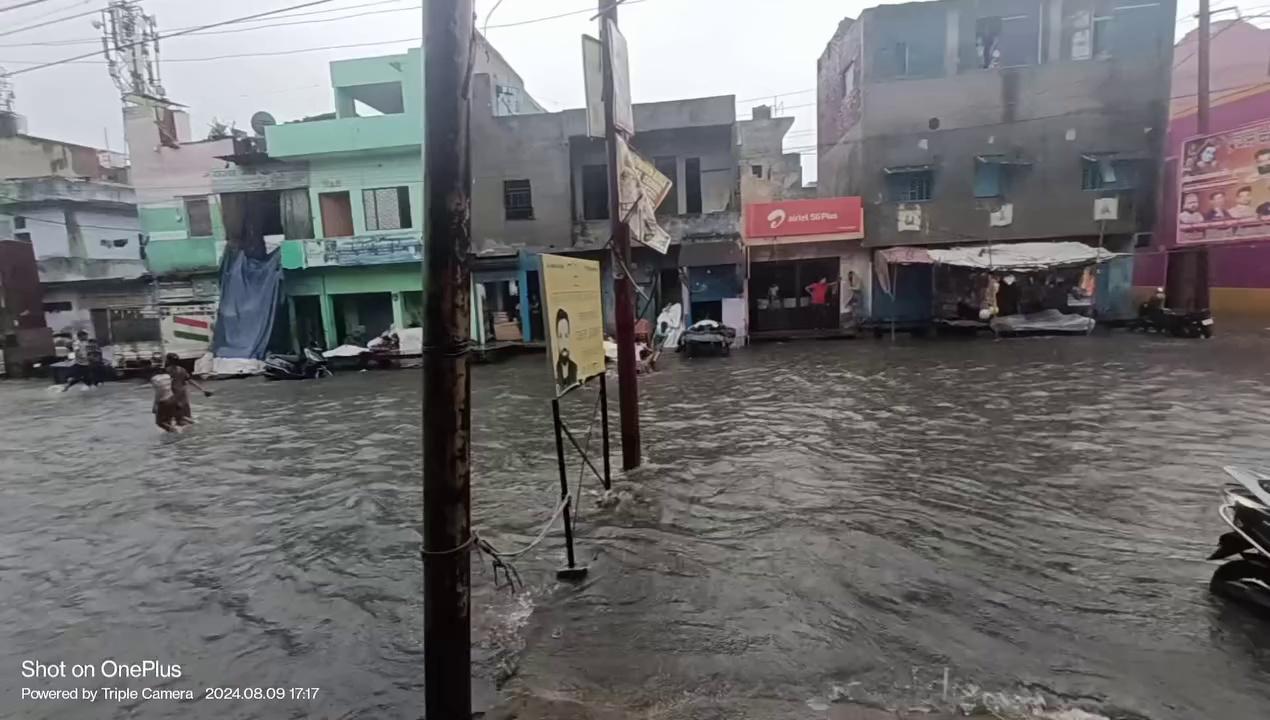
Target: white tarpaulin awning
{"type": "Point", "coordinates": [1021, 256]}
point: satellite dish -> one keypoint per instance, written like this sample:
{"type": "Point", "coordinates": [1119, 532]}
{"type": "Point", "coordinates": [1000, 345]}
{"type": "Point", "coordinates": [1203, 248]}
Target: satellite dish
{"type": "Point", "coordinates": [260, 121]}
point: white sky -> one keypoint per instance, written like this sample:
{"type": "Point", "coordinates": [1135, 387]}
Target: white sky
{"type": "Point", "coordinates": [678, 48]}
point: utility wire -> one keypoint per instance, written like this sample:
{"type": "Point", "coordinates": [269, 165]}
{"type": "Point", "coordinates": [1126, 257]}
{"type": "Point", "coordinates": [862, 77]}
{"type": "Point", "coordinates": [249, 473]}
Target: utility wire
{"type": "Point", "coordinates": [28, 3]}
{"type": "Point", "coordinates": [48, 22]}
{"type": "Point", "coordinates": [174, 34]}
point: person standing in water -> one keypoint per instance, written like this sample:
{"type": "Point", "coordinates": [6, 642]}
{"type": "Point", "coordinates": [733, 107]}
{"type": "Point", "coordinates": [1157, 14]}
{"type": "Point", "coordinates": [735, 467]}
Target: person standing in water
{"type": "Point", "coordinates": [167, 411]}
{"type": "Point", "coordinates": [180, 378]}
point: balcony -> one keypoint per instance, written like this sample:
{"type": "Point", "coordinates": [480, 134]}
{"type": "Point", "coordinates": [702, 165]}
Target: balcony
{"type": "Point", "coordinates": [383, 248]}
{"type": "Point", "coordinates": [344, 135]}
{"type": "Point", "coordinates": [184, 255]}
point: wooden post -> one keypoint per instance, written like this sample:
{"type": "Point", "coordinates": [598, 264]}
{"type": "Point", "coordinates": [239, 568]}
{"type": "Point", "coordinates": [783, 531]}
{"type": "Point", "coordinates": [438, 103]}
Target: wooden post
{"type": "Point", "coordinates": [447, 650]}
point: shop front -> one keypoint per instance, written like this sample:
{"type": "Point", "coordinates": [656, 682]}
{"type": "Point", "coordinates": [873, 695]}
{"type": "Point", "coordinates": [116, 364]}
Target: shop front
{"type": "Point", "coordinates": [807, 273]}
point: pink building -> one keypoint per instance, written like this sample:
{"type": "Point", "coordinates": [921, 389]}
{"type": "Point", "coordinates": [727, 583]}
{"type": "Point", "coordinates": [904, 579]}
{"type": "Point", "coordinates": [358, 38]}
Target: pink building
{"type": "Point", "coordinates": [1220, 248]}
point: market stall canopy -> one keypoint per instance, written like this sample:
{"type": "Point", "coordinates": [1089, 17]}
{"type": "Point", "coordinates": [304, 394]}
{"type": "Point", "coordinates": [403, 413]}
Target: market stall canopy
{"type": "Point", "coordinates": [1012, 257]}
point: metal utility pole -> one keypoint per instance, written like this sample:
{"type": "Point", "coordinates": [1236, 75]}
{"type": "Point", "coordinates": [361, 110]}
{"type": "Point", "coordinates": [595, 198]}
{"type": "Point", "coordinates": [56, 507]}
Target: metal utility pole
{"type": "Point", "coordinates": [1201, 116]}
{"type": "Point", "coordinates": [624, 296]}
{"type": "Point", "coordinates": [447, 420]}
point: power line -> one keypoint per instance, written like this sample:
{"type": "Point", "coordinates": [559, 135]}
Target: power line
{"type": "Point", "coordinates": [175, 34]}
{"type": "Point", "coordinates": [7, 8]}
{"type": "Point", "coordinates": [48, 22]}
{"type": "Point", "coordinates": [94, 41]}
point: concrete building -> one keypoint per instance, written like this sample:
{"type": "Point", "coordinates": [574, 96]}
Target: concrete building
{"type": "Point", "coordinates": [963, 122]}
{"type": "Point", "coordinates": [1224, 267]}
{"type": "Point", "coordinates": [72, 205]}
{"type": "Point", "coordinates": [355, 271]}
{"type": "Point", "coordinates": [540, 186]}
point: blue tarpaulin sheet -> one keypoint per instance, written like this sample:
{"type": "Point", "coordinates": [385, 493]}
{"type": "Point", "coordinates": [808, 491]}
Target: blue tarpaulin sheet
{"type": "Point", "coordinates": [250, 291]}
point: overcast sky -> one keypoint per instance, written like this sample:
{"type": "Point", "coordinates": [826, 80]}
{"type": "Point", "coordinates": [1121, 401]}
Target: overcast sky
{"type": "Point", "coordinates": [753, 49]}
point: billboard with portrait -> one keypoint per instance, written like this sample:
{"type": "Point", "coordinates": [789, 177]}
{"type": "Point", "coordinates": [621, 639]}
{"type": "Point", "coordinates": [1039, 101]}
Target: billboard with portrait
{"type": "Point", "coordinates": [574, 319]}
{"type": "Point", "coordinates": [1224, 186]}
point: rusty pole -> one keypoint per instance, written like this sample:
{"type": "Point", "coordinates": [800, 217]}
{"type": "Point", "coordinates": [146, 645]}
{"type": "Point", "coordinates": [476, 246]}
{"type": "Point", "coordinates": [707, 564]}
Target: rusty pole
{"type": "Point", "coordinates": [447, 420]}
{"type": "Point", "coordinates": [624, 296]}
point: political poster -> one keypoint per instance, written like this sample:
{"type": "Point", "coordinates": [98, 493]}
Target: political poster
{"type": "Point", "coordinates": [1224, 186]}
{"type": "Point", "coordinates": [641, 188]}
{"type": "Point", "coordinates": [574, 318]}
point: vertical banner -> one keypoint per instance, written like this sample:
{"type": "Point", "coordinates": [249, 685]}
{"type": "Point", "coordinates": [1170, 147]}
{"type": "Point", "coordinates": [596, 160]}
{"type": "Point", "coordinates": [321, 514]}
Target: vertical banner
{"type": "Point", "coordinates": [593, 82]}
{"type": "Point", "coordinates": [641, 184]}
{"type": "Point", "coordinates": [623, 115]}
{"type": "Point", "coordinates": [574, 318]}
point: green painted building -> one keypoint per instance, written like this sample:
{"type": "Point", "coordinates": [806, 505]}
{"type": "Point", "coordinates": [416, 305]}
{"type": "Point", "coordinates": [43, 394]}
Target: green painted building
{"type": "Point", "coordinates": [359, 271]}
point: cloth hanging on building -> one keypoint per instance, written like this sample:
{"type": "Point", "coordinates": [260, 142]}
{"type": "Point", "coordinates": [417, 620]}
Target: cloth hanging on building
{"type": "Point", "coordinates": [251, 291]}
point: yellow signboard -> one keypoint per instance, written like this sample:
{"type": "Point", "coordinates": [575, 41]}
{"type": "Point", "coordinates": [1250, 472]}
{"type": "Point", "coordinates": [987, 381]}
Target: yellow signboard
{"type": "Point", "coordinates": [574, 318]}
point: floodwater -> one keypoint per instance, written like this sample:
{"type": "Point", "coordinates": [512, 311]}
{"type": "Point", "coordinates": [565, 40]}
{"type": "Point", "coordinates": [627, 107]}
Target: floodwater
{"type": "Point", "coordinates": [816, 522]}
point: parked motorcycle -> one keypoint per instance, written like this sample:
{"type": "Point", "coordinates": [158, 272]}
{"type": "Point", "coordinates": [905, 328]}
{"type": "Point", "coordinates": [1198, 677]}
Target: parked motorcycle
{"type": "Point", "coordinates": [1153, 315]}
{"type": "Point", "coordinates": [308, 364]}
{"type": "Point", "coordinates": [1246, 509]}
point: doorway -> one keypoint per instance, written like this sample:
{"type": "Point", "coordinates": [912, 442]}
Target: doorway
{"type": "Point", "coordinates": [362, 316]}
{"type": "Point", "coordinates": [337, 214]}
{"type": "Point", "coordinates": [308, 321]}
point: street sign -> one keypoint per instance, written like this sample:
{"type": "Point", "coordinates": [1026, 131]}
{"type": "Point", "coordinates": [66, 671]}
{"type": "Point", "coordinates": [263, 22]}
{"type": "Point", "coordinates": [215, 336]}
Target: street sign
{"type": "Point", "coordinates": [1107, 208]}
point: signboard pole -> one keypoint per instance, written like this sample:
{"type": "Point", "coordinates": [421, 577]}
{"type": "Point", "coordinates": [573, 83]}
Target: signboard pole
{"type": "Point", "coordinates": [1202, 65]}
{"type": "Point", "coordinates": [624, 297]}
{"type": "Point", "coordinates": [447, 580]}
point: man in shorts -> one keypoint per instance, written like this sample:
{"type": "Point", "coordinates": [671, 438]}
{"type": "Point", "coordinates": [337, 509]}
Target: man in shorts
{"type": "Point", "coordinates": [180, 378]}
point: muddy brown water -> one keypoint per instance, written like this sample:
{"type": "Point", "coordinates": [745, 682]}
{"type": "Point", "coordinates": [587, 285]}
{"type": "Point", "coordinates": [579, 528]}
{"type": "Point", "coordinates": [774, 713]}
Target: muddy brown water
{"type": "Point", "coordinates": [816, 522]}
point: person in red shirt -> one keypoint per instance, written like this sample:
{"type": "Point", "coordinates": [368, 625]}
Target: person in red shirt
{"type": "Point", "coordinates": [819, 292]}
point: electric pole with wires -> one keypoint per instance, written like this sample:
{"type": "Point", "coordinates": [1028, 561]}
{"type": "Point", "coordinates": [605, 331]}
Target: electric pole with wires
{"type": "Point", "coordinates": [447, 419]}
{"type": "Point", "coordinates": [624, 292]}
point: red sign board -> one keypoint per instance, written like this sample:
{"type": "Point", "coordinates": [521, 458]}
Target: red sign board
{"type": "Point", "coordinates": [842, 216]}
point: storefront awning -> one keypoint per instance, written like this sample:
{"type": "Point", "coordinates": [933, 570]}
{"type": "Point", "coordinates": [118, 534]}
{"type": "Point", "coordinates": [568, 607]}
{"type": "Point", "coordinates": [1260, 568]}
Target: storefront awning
{"type": "Point", "coordinates": [720, 252]}
{"type": "Point", "coordinates": [1004, 257]}
{"type": "Point", "coordinates": [894, 169]}
{"type": "Point", "coordinates": [1002, 160]}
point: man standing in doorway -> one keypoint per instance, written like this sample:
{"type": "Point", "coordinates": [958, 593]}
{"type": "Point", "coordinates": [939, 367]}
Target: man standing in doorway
{"type": "Point", "coordinates": [819, 292]}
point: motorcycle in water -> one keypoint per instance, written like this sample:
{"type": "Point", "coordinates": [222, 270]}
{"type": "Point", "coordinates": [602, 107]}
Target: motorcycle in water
{"type": "Point", "coordinates": [308, 364]}
{"type": "Point", "coordinates": [1246, 509]}
{"type": "Point", "coordinates": [1153, 315]}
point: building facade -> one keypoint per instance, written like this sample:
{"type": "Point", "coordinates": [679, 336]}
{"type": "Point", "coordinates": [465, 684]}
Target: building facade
{"type": "Point", "coordinates": [1214, 263]}
{"type": "Point", "coordinates": [963, 122]}
{"type": "Point", "coordinates": [72, 206]}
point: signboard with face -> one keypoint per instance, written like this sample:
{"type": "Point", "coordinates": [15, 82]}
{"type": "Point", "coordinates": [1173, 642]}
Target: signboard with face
{"type": "Point", "coordinates": [1224, 187]}
{"type": "Point", "coordinates": [574, 318]}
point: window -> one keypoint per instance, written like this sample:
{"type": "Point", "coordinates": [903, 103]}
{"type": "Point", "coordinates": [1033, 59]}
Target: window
{"type": "Point", "coordinates": [22, 236]}
{"type": "Point", "coordinates": [668, 167]}
{"type": "Point", "coordinates": [987, 179]}
{"type": "Point", "coordinates": [1106, 172]}
{"type": "Point", "coordinates": [692, 185]}
{"type": "Point", "coordinates": [849, 80]}
{"type": "Point", "coordinates": [518, 202]}
{"type": "Point", "coordinates": [19, 222]}
{"type": "Point", "coordinates": [387, 208]}
{"type": "Point", "coordinates": [756, 171]}
{"type": "Point", "coordinates": [61, 306]}
{"type": "Point", "coordinates": [198, 216]}
{"type": "Point", "coordinates": [115, 243]}
{"type": "Point", "coordinates": [1005, 41]}
{"type": "Point", "coordinates": [1102, 35]}
{"type": "Point", "coordinates": [901, 59]}
{"type": "Point", "coordinates": [910, 185]}
{"type": "Point", "coordinates": [595, 192]}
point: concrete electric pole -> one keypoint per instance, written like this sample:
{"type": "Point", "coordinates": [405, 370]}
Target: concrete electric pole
{"type": "Point", "coordinates": [447, 419]}
{"type": "Point", "coordinates": [624, 295]}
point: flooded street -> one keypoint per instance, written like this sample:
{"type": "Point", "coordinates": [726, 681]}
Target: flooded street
{"type": "Point", "coordinates": [816, 522]}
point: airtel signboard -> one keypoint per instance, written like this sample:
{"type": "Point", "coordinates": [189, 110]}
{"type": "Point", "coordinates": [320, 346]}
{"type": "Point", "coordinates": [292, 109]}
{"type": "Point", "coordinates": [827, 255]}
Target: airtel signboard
{"type": "Point", "coordinates": [840, 216]}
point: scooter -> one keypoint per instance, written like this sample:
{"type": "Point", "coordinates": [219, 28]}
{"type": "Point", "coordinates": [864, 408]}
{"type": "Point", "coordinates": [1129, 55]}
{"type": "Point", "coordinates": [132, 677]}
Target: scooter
{"type": "Point", "coordinates": [1246, 509]}
{"type": "Point", "coordinates": [1153, 315]}
{"type": "Point", "coordinates": [309, 364]}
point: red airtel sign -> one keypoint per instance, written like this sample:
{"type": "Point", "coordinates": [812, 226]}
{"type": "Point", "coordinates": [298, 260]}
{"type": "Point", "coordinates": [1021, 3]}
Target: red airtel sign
{"type": "Point", "coordinates": [821, 216]}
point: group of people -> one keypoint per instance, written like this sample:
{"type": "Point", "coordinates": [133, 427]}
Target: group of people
{"type": "Point", "coordinates": [1218, 210]}
{"type": "Point", "coordinates": [88, 368]}
{"type": "Point", "coordinates": [172, 396]}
